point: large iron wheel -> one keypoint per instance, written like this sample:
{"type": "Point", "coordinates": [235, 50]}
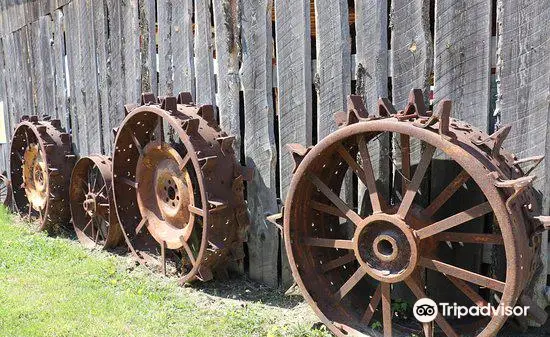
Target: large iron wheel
{"type": "Point", "coordinates": [355, 267]}
{"type": "Point", "coordinates": [92, 205]}
{"type": "Point", "coordinates": [178, 188]}
{"type": "Point", "coordinates": [41, 162]}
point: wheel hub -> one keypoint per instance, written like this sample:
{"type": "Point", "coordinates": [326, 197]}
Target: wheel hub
{"type": "Point", "coordinates": [166, 193]}
{"type": "Point", "coordinates": [35, 177]}
{"type": "Point", "coordinates": [386, 247]}
{"type": "Point", "coordinates": [90, 204]}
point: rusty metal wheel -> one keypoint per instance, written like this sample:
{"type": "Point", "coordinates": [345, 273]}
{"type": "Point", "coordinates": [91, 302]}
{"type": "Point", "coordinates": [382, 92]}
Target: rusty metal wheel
{"type": "Point", "coordinates": [5, 190]}
{"type": "Point", "coordinates": [92, 203]}
{"type": "Point", "coordinates": [356, 268]}
{"type": "Point", "coordinates": [178, 188]}
{"type": "Point", "coordinates": [41, 162]}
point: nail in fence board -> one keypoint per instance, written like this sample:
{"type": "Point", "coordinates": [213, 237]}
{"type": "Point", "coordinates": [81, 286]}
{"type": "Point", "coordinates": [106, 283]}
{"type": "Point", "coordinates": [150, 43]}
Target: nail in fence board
{"type": "Point", "coordinates": [175, 47]}
{"type": "Point", "coordinates": [259, 141]}
{"type": "Point", "coordinates": [524, 73]}
{"type": "Point", "coordinates": [227, 25]}
{"type": "Point", "coordinates": [204, 62]}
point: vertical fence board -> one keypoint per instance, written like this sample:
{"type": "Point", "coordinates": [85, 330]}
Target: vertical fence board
{"type": "Point", "coordinates": [176, 67]}
{"type": "Point", "coordinates": [147, 18]}
{"type": "Point", "coordinates": [71, 41]}
{"type": "Point", "coordinates": [411, 49]}
{"type": "Point", "coordinates": [182, 47]}
{"type": "Point", "coordinates": [371, 29]}
{"type": "Point", "coordinates": [101, 34]}
{"type": "Point", "coordinates": [60, 77]}
{"type": "Point", "coordinates": [292, 27]}
{"type": "Point", "coordinates": [226, 22]}
{"type": "Point", "coordinates": [46, 65]}
{"type": "Point", "coordinates": [259, 142]}
{"type": "Point", "coordinates": [333, 78]}
{"type": "Point", "coordinates": [87, 93]}
{"type": "Point", "coordinates": [293, 33]}
{"type": "Point", "coordinates": [24, 86]}
{"type": "Point", "coordinates": [9, 73]}
{"type": "Point", "coordinates": [131, 59]}
{"type": "Point", "coordinates": [462, 58]}
{"type": "Point", "coordinates": [204, 63]}
{"type": "Point", "coordinates": [115, 69]}
{"type": "Point", "coordinates": [35, 68]}
{"type": "Point", "coordinates": [524, 75]}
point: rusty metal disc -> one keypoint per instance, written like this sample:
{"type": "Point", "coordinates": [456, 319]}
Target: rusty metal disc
{"type": "Point", "coordinates": [355, 267]}
{"type": "Point", "coordinates": [5, 190]}
{"type": "Point", "coordinates": [41, 162]}
{"type": "Point", "coordinates": [92, 203]}
{"type": "Point", "coordinates": [178, 188]}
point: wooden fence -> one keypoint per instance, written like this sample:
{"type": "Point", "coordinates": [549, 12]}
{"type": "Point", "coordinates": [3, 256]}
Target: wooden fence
{"type": "Point", "coordinates": [277, 70]}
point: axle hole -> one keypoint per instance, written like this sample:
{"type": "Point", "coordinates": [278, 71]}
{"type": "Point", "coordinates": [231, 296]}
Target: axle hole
{"type": "Point", "coordinates": [385, 247]}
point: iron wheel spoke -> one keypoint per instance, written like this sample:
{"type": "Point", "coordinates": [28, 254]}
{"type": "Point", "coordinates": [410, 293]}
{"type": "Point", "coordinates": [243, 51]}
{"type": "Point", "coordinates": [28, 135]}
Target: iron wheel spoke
{"type": "Point", "coordinates": [494, 239]}
{"type": "Point", "coordinates": [373, 304]}
{"type": "Point", "coordinates": [385, 289]}
{"type": "Point", "coordinates": [439, 319]}
{"type": "Point", "coordinates": [338, 262]}
{"type": "Point", "coordinates": [447, 193]}
{"type": "Point", "coordinates": [329, 243]}
{"type": "Point", "coordinates": [413, 187]}
{"type": "Point", "coordinates": [350, 284]}
{"type": "Point", "coordinates": [455, 220]}
{"type": "Point", "coordinates": [370, 180]}
{"type": "Point", "coordinates": [342, 206]}
{"type": "Point", "coordinates": [463, 274]}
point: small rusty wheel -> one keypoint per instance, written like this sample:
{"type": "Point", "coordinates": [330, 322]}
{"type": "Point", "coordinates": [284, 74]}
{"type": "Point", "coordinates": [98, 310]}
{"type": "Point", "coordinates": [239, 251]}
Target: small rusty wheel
{"type": "Point", "coordinates": [41, 161]}
{"type": "Point", "coordinates": [347, 262]}
{"type": "Point", "coordinates": [92, 205]}
{"type": "Point", "coordinates": [5, 190]}
{"type": "Point", "coordinates": [178, 188]}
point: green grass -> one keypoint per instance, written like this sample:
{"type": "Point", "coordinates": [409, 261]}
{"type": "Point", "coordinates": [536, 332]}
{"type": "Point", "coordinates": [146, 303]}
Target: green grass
{"type": "Point", "coordinates": [54, 287]}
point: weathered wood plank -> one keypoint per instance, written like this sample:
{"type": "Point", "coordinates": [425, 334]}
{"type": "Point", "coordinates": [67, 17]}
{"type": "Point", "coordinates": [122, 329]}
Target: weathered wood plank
{"type": "Point", "coordinates": [60, 77]}
{"type": "Point", "coordinates": [523, 76]}
{"type": "Point", "coordinates": [226, 16]}
{"type": "Point", "coordinates": [293, 33]}
{"type": "Point", "coordinates": [147, 24]}
{"type": "Point", "coordinates": [176, 68]}
{"type": "Point", "coordinates": [87, 94]}
{"type": "Point", "coordinates": [371, 35]}
{"type": "Point", "coordinates": [462, 58]}
{"type": "Point", "coordinates": [9, 73]}
{"type": "Point", "coordinates": [35, 68]}
{"type": "Point", "coordinates": [182, 47]}
{"type": "Point", "coordinates": [71, 43]}
{"type": "Point", "coordinates": [101, 50]}
{"type": "Point", "coordinates": [411, 48]}
{"type": "Point", "coordinates": [259, 141]}
{"type": "Point", "coordinates": [204, 53]}
{"type": "Point", "coordinates": [333, 77]}
{"type": "Point", "coordinates": [131, 50]}
{"type": "Point", "coordinates": [371, 29]}
{"type": "Point", "coordinates": [26, 106]}
{"type": "Point", "coordinates": [115, 69]}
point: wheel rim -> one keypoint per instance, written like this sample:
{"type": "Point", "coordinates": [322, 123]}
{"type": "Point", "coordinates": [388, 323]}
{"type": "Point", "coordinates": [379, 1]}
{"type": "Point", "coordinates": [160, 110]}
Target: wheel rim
{"type": "Point", "coordinates": [177, 188]}
{"type": "Point", "coordinates": [318, 180]}
{"type": "Point", "coordinates": [92, 206]}
{"type": "Point", "coordinates": [41, 163]}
